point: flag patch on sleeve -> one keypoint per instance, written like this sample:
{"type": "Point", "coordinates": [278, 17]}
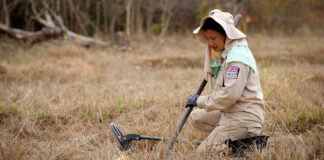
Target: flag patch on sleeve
{"type": "Point", "coordinates": [232, 71]}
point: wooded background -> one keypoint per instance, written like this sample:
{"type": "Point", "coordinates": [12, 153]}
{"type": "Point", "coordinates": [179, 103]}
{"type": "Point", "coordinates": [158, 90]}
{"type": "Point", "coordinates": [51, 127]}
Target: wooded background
{"type": "Point", "coordinates": [80, 19]}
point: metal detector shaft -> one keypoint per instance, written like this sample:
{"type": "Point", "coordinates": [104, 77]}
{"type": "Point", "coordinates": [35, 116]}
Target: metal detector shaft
{"type": "Point", "coordinates": [153, 138]}
{"type": "Point", "coordinates": [131, 137]}
{"type": "Point", "coordinates": [198, 92]}
{"type": "Point", "coordinates": [186, 115]}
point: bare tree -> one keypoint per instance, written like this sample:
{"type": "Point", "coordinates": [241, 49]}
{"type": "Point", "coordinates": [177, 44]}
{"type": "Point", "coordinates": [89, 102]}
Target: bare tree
{"type": "Point", "coordinates": [139, 17]}
{"type": "Point", "coordinates": [75, 12]}
{"type": "Point", "coordinates": [128, 17]}
{"type": "Point", "coordinates": [5, 9]}
{"type": "Point", "coordinates": [233, 6]}
{"type": "Point", "coordinates": [149, 11]}
{"type": "Point", "coordinates": [168, 7]}
{"type": "Point", "coordinates": [115, 10]}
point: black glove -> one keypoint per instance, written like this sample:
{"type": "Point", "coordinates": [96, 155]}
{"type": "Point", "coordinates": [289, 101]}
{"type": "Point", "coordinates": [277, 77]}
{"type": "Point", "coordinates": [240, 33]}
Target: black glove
{"type": "Point", "coordinates": [192, 100]}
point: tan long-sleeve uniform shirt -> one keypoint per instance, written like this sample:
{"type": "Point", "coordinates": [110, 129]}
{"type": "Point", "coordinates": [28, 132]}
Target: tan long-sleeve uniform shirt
{"type": "Point", "coordinates": [240, 99]}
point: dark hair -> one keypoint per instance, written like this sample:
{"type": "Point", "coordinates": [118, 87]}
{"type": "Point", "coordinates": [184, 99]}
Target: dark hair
{"type": "Point", "coordinates": [211, 24]}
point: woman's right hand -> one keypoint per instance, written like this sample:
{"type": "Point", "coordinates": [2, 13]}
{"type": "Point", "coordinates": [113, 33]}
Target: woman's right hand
{"type": "Point", "coordinates": [192, 100]}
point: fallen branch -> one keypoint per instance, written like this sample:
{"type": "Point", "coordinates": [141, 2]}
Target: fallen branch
{"type": "Point", "coordinates": [17, 33]}
{"type": "Point", "coordinates": [53, 25]}
{"type": "Point", "coordinates": [84, 40]}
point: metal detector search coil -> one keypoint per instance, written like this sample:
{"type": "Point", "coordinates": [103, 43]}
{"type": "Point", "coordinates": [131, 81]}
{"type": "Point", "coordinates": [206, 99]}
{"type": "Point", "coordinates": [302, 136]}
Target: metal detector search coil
{"type": "Point", "coordinates": [121, 138]}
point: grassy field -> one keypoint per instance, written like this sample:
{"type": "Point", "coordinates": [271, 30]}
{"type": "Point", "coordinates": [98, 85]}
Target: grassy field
{"type": "Point", "coordinates": [64, 96]}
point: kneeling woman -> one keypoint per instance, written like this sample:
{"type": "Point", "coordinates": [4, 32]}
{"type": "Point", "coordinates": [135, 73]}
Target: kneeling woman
{"type": "Point", "coordinates": [236, 109]}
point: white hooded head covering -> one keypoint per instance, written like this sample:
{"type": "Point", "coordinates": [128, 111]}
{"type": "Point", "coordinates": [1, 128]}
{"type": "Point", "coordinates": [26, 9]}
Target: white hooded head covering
{"type": "Point", "coordinates": [224, 19]}
{"type": "Point", "coordinates": [234, 37]}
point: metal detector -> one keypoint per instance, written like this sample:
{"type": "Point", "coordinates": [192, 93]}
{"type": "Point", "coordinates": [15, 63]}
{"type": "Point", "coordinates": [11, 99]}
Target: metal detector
{"type": "Point", "coordinates": [125, 140]}
{"type": "Point", "coordinates": [238, 147]}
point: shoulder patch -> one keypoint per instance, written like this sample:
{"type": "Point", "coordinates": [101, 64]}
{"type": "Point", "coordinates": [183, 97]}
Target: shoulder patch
{"type": "Point", "coordinates": [232, 71]}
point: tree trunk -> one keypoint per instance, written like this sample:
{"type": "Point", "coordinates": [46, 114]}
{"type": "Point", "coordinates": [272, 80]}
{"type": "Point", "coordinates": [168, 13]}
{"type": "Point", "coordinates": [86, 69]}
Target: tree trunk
{"type": "Point", "coordinates": [112, 25]}
{"type": "Point", "coordinates": [80, 23]}
{"type": "Point", "coordinates": [149, 14]}
{"type": "Point", "coordinates": [98, 14]}
{"type": "Point", "coordinates": [133, 16]}
{"type": "Point", "coordinates": [58, 6]}
{"type": "Point", "coordinates": [168, 12]}
{"type": "Point", "coordinates": [128, 17]}
{"type": "Point", "coordinates": [5, 9]}
{"type": "Point", "coordinates": [165, 26]}
{"type": "Point", "coordinates": [139, 19]}
{"type": "Point", "coordinates": [114, 12]}
{"type": "Point", "coordinates": [65, 11]}
{"type": "Point", "coordinates": [105, 14]}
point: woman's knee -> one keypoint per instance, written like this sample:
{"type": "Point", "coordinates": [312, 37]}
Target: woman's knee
{"type": "Point", "coordinates": [202, 116]}
{"type": "Point", "coordinates": [194, 117]}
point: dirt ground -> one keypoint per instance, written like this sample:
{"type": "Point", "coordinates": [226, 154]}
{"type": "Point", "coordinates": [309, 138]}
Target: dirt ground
{"type": "Point", "coordinates": [59, 97]}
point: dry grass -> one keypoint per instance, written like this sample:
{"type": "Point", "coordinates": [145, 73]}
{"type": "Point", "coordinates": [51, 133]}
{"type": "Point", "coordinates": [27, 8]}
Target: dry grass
{"type": "Point", "coordinates": [70, 95]}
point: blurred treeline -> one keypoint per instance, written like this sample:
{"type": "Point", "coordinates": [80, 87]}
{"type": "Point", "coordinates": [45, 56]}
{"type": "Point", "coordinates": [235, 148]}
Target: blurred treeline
{"type": "Point", "coordinates": [160, 17]}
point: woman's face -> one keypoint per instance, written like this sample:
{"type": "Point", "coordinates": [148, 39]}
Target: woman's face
{"type": "Point", "coordinates": [215, 40]}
